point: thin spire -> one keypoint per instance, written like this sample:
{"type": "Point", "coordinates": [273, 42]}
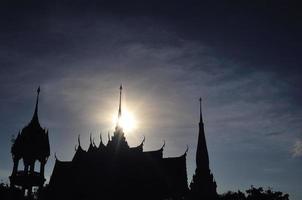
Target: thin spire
{"type": "Point", "coordinates": [35, 116]}
{"type": "Point", "coordinates": [202, 157]}
{"type": "Point", "coordinates": [200, 111]}
{"type": "Point", "coordinates": [119, 108]}
{"type": "Point", "coordinates": [120, 103]}
{"type": "Point", "coordinates": [79, 142]}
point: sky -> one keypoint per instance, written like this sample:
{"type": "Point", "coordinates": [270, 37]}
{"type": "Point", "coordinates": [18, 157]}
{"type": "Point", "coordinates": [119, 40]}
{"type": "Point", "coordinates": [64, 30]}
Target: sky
{"type": "Point", "coordinates": [241, 57]}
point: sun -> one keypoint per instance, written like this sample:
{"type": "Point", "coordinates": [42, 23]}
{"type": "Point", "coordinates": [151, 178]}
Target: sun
{"type": "Point", "coordinates": [127, 121]}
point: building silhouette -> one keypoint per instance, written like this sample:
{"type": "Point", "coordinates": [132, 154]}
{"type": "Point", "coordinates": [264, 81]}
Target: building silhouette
{"type": "Point", "coordinates": [203, 185]}
{"type": "Point", "coordinates": [113, 170]}
{"type": "Point", "coordinates": [30, 145]}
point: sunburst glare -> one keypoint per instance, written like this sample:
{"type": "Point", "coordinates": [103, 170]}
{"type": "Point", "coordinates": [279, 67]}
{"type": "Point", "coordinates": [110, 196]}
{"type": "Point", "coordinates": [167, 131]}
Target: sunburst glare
{"type": "Point", "coordinates": [127, 121]}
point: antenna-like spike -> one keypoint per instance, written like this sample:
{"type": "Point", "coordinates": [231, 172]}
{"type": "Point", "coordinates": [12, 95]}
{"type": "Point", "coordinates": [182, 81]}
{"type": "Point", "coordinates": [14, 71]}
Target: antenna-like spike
{"type": "Point", "coordinates": [119, 109]}
{"type": "Point", "coordinates": [200, 111]}
{"type": "Point", "coordinates": [79, 142]}
{"type": "Point", "coordinates": [35, 116]}
{"type": "Point", "coordinates": [120, 102]}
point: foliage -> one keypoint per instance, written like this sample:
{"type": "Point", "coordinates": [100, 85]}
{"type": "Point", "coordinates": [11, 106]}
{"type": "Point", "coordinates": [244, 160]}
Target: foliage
{"type": "Point", "coordinates": [254, 194]}
{"type": "Point", "coordinates": [9, 193]}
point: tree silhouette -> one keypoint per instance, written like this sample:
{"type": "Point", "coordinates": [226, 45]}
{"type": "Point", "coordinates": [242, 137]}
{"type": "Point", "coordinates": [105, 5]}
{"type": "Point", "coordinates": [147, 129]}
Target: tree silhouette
{"type": "Point", "coordinates": [255, 194]}
{"type": "Point", "coordinates": [259, 193]}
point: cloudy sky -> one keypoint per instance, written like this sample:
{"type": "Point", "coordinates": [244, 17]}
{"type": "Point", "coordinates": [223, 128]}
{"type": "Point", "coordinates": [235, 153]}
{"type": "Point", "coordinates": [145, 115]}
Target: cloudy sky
{"type": "Point", "coordinates": [241, 57]}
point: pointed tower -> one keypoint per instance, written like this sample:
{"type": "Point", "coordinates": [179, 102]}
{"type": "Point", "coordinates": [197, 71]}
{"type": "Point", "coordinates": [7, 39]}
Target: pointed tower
{"type": "Point", "coordinates": [118, 140]}
{"type": "Point", "coordinates": [119, 115]}
{"type": "Point", "coordinates": [31, 145]}
{"type": "Point", "coordinates": [203, 185]}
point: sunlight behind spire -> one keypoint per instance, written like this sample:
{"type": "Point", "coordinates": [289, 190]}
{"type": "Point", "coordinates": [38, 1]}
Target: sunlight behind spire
{"type": "Point", "coordinates": [127, 121]}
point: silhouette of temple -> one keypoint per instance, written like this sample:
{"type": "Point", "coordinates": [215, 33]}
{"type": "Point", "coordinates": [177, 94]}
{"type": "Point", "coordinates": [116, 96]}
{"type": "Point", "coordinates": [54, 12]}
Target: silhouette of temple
{"type": "Point", "coordinates": [31, 145]}
{"type": "Point", "coordinates": [113, 170]}
{"type": "Point", "coordinates": [203, 185]}
{"type": "Point", "coordinates": [117, 171]}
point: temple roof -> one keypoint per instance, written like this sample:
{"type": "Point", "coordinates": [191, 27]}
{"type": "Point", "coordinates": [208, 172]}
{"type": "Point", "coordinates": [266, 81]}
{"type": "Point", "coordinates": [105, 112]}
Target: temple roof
{"type": "Point", "coordinates": [33, 142]}
{"type": "Point", "coordinates": [118, 167]}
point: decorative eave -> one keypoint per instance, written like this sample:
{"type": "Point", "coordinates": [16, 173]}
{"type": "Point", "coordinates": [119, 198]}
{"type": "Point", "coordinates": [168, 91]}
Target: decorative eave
{"type": "Point", "coordinates": [185, 153]}
{"type": "Point", "coordinates": [79, 151]}
{"type": "Point", "coordinates": [101, 145]}
{"type": "Point", "coordinates": [92, 147]}
{"type": "Point", "coordinates": [139, 147]}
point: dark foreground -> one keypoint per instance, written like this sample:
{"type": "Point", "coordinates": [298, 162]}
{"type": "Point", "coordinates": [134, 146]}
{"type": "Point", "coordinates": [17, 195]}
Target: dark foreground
{"type": "Point", "coordinates": [253, 193]}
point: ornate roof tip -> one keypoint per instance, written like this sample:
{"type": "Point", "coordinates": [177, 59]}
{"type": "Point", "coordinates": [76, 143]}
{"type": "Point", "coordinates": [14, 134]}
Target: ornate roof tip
{"type": "Point", "coordinates": [90, 139]}
{"type": "Point", "coordinates": [142, 143]}
{"type": "Point", "coordinates": [144, 139]}
{"type": "Point", "coordinates": [108, 136]}
{"type": "Point", "coordinates": [187, 149]}
{"type": "Point", "coordinates": [163, 145]}
{"type": "Point", "coordinates": [101, 138]}
{"type": "Point", "coordinates": [93, 143]}
{"type": "Point", "coordinates": [35, 116]}
{"type": "Point", "coordinates": [200, 111]}
{"type": "Point", "coordinates": [79, 142]}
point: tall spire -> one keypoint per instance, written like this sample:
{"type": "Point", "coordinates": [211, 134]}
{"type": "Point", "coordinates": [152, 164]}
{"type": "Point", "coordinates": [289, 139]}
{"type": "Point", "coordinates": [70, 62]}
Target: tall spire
{"type": "Point", "coordinates": [119, 108]}
{"type": "Point", "coordinates": [120, 104]}
{"type": "Point", "coordinates": [203, 185]}
{"type": "Point", "coordinates": [200, 111]}
{"type": "Point", "coordinates": [202, 157]}
{"type": "Point", "coordinates": [79, 142]}
{"type": "Point", "coordinates": [35, 116]}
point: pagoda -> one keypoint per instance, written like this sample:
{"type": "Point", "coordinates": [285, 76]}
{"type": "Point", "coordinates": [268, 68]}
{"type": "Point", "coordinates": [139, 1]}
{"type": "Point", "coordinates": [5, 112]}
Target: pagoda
{"type": "Point", "coordinates": [31, 146]}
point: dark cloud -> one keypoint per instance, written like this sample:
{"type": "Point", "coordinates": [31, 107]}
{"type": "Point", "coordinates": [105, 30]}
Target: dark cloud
{"type": "Point", "coordinates": [274, 133]}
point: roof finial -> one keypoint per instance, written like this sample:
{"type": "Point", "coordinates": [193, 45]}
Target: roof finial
{"type": "Point", "coordinates": [144, 139]}
{"type": "Point", "coordinates": [108, 136]}
{"type": "Point", "coordinates": [79, 142]}
{"type": "Point", "coordinates": [119, 108]}
{"type": "Point", "coordinates": [35, 116]}
{"type": "Point", "coordinates": [120, 103]}
{"type": "Point", "coordinates": [101, 138]}
{"type": "Point", "coordinates": [200, 111]}
{"type": "Point", "coordinates": [90, 138]}
{"type": "Point", "coordinates": [163, 145]}
{"type": "Point", "coordinates": [93, 142]}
